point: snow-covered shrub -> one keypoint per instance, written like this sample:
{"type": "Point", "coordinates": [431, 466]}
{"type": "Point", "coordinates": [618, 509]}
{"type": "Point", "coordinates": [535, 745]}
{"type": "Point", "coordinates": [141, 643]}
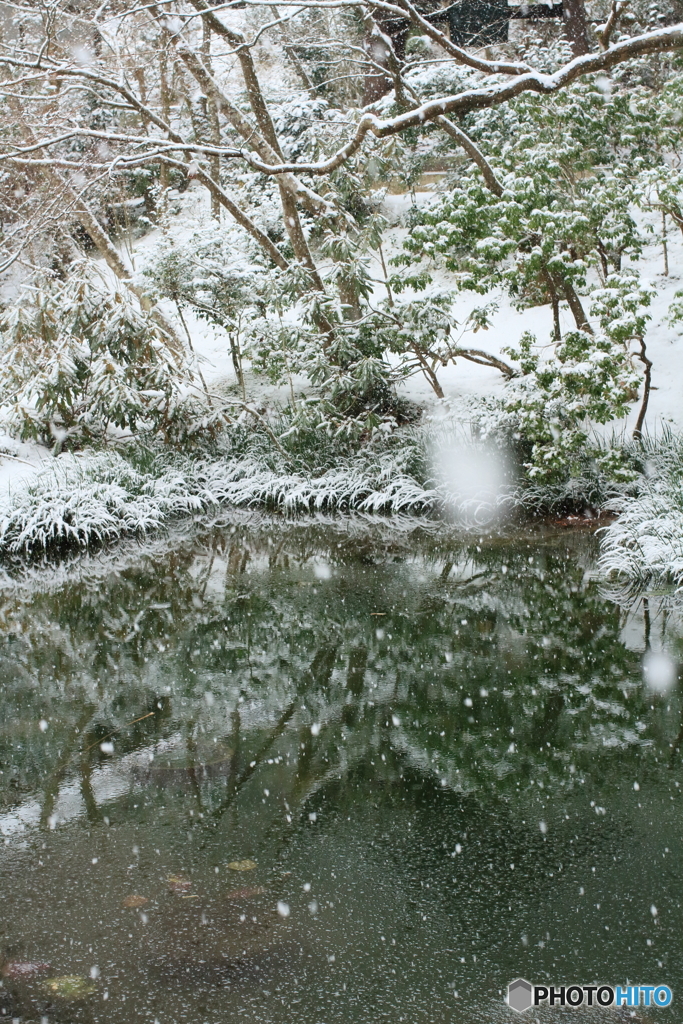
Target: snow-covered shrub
{"type": "Point", "coordinates": [211, 273]}
{"type": "Point", "coordinates": [353, 394]}
{"type": "Point", "coordinates": [88, 500]}
{"type": "Point", "coordinates": [353, 383]}
{"type": "Point", "coordinates": [556, 215]}
{"type": "Point", "coordinates": [587, 378]}
{"type": "Point", "coordinates": [81, 361]}
{"type": "Point", "coordinates": [645, 543]}
{"type": "Point", "coordinates": [300, 124]}
{"type": "Point", "coordinates": [554, 399]}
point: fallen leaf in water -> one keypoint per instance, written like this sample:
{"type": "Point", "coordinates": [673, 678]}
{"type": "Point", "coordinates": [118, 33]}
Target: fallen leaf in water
{"type": "Point", "coordinates": [246, 894]}
{"type": "Point", "coordinates": [19, 969]}
{"type": "Point", "coordinates": [178, 883]}
{"type": "Point", "coordinates": [135, 901]}
{"type": "Point", "coordinates": [242, 865]}
{"type": "Point", "coordinates": [72, 986]}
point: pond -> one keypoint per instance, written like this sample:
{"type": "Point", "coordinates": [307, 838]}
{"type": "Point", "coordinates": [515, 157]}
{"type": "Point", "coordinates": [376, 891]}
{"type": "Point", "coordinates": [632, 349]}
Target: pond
{"type": "Point", "coordinates": [342, 771]}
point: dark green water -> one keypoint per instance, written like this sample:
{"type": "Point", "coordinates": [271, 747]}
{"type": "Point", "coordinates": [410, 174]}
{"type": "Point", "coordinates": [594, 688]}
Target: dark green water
{"type": "Point", "coordinates": [439, 753]}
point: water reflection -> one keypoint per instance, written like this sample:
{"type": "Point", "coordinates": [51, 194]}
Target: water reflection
{"type": "Point", "coordinates": [334, 773]}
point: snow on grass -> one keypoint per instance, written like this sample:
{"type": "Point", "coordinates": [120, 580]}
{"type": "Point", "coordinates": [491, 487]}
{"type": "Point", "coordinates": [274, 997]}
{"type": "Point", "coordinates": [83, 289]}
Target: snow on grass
{"type": "Point", "coordinates": [87, 500]}
{"type": "Point", "coordinates": [645, 544]}
{"type": "Point", "coordinates": [90, 500]}
{"type": "Point", "coordinates": [78, 502]}
{"type": "Point", "coordinates": [83, 502]}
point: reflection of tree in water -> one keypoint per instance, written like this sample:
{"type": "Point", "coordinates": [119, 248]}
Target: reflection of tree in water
{"type": "Point", "coordinates": [484, 664]}
{"type": "Point", "coordinates": [297, 693]}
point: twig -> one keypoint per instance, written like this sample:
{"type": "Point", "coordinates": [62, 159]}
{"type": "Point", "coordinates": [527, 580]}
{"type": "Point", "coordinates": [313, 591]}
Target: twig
{"type": "Point", "coordinates": [15, 458]}
{"type": "Point", "coordinates": [256, 415]}
{"type": "Point", "coordinates": [103, 739]}
{"type": "Point", "coordinates": [638, 429]}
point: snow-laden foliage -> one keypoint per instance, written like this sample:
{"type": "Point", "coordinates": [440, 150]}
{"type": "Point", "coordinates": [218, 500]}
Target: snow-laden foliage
{"type": "Point", "coordinates": [287, 153]}
{"type": "Point", "coordinates": [563, 205]}
{"type": "Point", "coordinates": [553, 221]}
{"type": "Point", "coordinates": [80, 360]}
{"type": "Point", "coordinates": [587, 378]}
{"type": "Point", "coordinates": [645, 543]}
{"type": "Point", "coordinates": [211, 274]}
{"type": "Point", "coordinates": [83, 501]}
{"type": "Point", "coordinates": [87, 501]}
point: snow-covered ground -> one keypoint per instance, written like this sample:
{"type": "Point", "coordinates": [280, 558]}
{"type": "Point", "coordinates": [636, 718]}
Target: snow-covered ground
{"type": "Point", "coordinates": [19, 463]}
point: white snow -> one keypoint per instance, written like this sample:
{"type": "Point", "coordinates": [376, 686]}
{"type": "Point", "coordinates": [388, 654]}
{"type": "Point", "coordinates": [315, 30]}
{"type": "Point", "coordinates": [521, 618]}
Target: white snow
{"type": "Point", "coordinates": [462, 381]}
{"type": "Point", "coordinates": [35, 489]}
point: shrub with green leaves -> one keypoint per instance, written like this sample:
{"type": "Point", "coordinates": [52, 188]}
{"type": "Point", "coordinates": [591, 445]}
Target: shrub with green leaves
{"type": "Point", "coordinates": [588, 378]}
{"type": "Point", "coordinates": [210, 275]}
{"type": "Point", "coordinates": [557, 214]}
{"type": "Point", "coordinates": [81, 362]}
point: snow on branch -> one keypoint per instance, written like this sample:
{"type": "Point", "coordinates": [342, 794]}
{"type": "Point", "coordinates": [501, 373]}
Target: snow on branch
{"type": "Point", "coordinates": [659, 41]}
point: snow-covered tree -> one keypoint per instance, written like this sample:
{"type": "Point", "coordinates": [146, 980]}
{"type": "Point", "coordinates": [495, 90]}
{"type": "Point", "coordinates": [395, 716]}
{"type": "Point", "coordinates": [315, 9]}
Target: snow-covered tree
{"type": "Point", "coordinates": [110, 113]}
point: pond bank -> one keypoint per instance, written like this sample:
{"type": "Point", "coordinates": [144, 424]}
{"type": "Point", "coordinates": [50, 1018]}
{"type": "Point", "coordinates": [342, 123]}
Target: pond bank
{"type": "Point", "coordinates": [80, 502]}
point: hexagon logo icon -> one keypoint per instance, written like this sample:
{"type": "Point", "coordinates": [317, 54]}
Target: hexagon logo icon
{"type": "Point", "coordinates": [520, 995]}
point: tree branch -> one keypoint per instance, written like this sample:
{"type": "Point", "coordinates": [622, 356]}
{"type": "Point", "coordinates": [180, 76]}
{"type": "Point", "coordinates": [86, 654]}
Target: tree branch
{"type": "Point", "coordinates": [473, 152]}
{"type": "Point", "coordinates": [660, 41]}
{"type": "Point", "coordinates": [604, 32]}
{"type": "Point", "coordinates": [256, 98]}
{"type": "Point", "coordinates": [236, 212]}
{"type": "Point", "coordinates": [309, 199]}
{"type": "Point", "coordinates": [478, 355]}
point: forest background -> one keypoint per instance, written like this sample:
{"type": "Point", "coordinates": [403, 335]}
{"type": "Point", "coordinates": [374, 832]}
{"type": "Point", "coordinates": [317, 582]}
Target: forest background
{"type": "Point", "coordinates": [246, 249]}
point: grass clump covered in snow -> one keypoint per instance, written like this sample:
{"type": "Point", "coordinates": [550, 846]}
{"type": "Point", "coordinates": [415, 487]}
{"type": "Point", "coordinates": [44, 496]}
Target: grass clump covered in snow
{"type": "Point", "coordinates": [93, 498]}
{"type": "Point", "coordinates": [645, 543]}
{"type": "Point", "coordinates": [96, 498]}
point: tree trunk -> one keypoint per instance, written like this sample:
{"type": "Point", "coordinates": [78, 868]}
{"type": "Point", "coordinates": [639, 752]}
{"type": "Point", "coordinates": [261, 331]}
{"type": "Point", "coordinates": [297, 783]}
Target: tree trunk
{"type": "Point", "coordinates": [212, 118]}
{"type": "Point", "coordinates": [647, 363]}
{"type": "Point", "coordinates": [557, 330]}
{"type": "Point", "coordinates": [236, 356]}
{"type": "Point", "coordinates": [576, 26]}
{"type": "Point", "coordinates": [576, 307]}
{"type": "Point", "coordinates": [165, 97]}
{"type": "Point", "coordinates": [555, 303]}
{"type": "Point", "coordinates": [377, 84]}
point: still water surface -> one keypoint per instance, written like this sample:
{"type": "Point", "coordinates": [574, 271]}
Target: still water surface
{"type": "Point", "coordinates": [336, 772]}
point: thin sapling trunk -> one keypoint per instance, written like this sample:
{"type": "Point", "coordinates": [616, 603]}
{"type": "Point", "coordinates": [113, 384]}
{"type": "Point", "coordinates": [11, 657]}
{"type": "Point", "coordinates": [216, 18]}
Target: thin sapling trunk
{"type": "Point", "coordinates": [647, 386]}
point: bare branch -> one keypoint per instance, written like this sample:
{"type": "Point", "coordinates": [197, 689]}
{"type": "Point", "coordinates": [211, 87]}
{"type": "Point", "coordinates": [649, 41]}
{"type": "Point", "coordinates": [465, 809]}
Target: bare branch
{"type": "Point", "coordinates": [457, 52]}
{"type": "Point", "coordinates": [413, 101]}
{"type": "Point", "coordinates": [309, 199]}
{"type": "Point", "coordinates": [474, 153]}
{"type": "Point", "coordinates": [478, 355]}
{"type": "Point", "coordinates": [254, 91]}
{"type": "Point", "coordinates": [237, 213]}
